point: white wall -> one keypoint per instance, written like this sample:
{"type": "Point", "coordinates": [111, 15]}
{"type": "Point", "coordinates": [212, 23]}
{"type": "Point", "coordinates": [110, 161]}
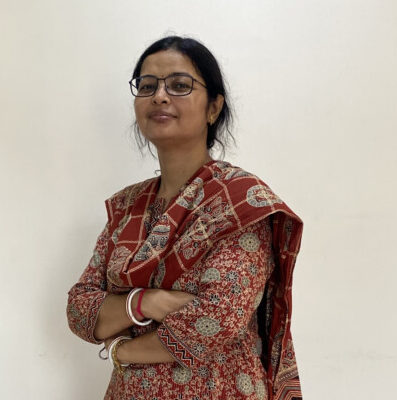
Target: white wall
{"type": "Point", "coordinates": [314, 85]}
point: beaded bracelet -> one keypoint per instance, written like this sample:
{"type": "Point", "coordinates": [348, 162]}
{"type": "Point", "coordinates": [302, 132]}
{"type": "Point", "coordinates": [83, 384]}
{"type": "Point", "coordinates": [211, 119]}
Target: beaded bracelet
{"type": "Point", "coordinates": [130, 311]}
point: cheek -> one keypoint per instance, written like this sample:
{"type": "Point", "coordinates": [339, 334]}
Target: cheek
{"type": "Point", "coordinates": [136, 108]}
{"type": "Point", "coordinates": [139, 109]}
{"type": "Point", "coordinates": [195, 111]}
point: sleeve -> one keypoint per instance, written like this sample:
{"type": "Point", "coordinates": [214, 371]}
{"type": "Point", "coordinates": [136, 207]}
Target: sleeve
{"type": "Point", "coordinates": [87, 295]}
{"type": "Point", "coordinates": [232, 279]}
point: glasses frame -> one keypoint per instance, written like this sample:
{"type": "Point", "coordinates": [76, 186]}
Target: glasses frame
{"type": "Point", "coordinates": [165, 85]}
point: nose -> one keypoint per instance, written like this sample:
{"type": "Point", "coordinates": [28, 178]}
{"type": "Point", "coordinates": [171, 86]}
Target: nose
{"type": "Point", "coordinates": [160, 95]}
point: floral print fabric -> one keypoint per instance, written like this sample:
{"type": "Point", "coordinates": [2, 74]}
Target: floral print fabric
{"type": "Point", "coordinates": [218, 330]}
{"type": "Point", "coordinates": [240, 275]}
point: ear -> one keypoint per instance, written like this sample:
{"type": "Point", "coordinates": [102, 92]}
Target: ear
{"type": "Point", "coordinates": [214, 109]}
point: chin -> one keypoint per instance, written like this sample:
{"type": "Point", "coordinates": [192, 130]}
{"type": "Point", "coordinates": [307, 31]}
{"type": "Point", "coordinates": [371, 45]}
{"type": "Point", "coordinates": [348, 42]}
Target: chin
{"type": "Point", "coordinates": [159, 134]}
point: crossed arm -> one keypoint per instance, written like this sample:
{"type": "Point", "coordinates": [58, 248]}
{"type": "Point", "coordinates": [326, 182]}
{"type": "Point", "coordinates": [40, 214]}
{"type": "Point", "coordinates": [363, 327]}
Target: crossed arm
{"type": "Point", "coordinates": [147, 348]}
{"type": "Point", "coordinates": [231, 281]}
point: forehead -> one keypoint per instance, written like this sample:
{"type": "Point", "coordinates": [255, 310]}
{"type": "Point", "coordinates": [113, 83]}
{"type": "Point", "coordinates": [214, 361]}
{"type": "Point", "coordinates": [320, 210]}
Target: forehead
{"type": "Point", "coordinates": [166, 62]}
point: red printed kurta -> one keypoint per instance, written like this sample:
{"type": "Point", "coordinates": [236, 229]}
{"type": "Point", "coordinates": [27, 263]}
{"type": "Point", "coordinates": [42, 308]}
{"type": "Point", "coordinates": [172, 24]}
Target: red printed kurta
{"type": "Point", "coordinates": [220, 351]}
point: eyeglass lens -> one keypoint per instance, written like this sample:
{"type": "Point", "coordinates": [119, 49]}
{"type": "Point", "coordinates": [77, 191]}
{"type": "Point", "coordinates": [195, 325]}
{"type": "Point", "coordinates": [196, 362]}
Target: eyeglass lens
{"type": "Point", "coordinates": [176, 85]}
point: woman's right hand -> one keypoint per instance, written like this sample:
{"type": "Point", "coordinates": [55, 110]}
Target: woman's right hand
{"type": "Point", "coordinates": [157, 303]}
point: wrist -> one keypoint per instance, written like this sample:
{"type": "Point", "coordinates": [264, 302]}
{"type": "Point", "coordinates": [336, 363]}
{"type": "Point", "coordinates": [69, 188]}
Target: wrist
{"type": "Point", "coordinates": [132, 304]}
{"type": "Point", "coordinates": [123, 352]}
{"type": "Point", "coordinates": [114, 351]}
{"type": "Point", "coordinates": [147, 303]}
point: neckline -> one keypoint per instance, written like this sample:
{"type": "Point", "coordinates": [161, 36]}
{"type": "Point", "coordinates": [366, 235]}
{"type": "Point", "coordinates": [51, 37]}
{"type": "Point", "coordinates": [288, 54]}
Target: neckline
{"type": "Point", "coordinates": [181, 189]}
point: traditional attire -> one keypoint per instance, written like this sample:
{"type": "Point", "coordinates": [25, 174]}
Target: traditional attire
{"type": "Point", "coordinates": [229, 240]}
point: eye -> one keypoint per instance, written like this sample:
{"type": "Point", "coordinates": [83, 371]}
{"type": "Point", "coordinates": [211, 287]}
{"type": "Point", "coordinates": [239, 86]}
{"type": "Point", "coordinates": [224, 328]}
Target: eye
{"type": "Point", "coordinates": [146, 85]}
{"type": "Point", "coordinates": [180, 84]}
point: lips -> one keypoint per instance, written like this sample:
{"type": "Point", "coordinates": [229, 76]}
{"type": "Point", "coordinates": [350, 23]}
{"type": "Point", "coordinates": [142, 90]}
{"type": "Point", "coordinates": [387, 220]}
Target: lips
{"type": "Point", "coordinates": [161, 116]}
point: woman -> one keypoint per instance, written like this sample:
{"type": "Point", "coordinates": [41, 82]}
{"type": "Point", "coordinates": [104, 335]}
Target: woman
{"type": "Point", "coordinates": [211, 245]}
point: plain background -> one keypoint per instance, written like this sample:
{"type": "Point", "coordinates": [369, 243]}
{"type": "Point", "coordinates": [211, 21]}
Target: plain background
{"type": "Point", "coordinates": [314, 86]}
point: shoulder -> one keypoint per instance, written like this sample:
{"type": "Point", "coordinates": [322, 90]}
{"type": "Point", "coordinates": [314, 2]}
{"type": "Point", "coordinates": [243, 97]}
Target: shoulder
{"type": "Point", "coordinates": [122, 200]}
{"type": "Point", "coordinates": [228, 173]}
{"type": "Point", "coordinates": [237, 179]}
{"type": "Point", "coordinates": [248, 192]}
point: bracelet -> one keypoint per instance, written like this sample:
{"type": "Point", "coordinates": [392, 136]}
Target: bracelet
{"type": "Point", "coordinates": [126, 306]}
{"type": "Point", "coordinates": [138, 307]}
{"type": "Point", "coordinates": [111, 347]}
{"type": "Point", "coordinates": [120, 367]}
{"type": "Point", "coordinates": [100, 353]}
{"type": "Point", "coordinates": [129, 308]}
{"type": "Point", "coordinates": [116, 343]}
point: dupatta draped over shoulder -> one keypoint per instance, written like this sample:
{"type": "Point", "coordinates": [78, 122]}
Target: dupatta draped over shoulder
{"type": "Point", "coordinates": [218, 200]}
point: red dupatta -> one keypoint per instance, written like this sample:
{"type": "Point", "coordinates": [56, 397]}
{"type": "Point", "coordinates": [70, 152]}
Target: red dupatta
{"type": "Point", "coordinates": [218, 200]}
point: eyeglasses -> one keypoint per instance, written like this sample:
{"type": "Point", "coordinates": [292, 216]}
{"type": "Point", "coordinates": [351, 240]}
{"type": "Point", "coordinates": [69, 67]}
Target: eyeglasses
{"type": "Point", "coordinates": [179, 84]}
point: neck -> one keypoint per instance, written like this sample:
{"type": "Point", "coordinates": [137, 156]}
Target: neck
{"type": "Point", "coordinates": [177, 167]}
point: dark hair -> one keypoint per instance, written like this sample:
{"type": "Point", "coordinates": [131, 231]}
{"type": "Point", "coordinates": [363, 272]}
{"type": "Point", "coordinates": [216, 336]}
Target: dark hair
{"type": "Point", "coordinates": [208, 67]}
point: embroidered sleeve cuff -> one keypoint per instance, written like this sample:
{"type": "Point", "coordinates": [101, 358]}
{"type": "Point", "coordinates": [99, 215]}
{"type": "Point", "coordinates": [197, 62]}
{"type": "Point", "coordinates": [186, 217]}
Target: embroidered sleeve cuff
{"type": "Point", "coordinates": [82, 313]}
{"type": "Point", "coordinates": [179, 350]}
{"type": "Point", "coordinates": [93, 316]}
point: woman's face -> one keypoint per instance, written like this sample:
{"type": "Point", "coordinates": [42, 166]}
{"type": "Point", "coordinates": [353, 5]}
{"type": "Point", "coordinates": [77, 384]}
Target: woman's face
{"type": "Point", "coordinates": [171, 120]}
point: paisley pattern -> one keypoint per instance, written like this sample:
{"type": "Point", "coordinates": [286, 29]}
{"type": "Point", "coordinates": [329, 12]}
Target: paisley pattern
{"type": "Point", "coordinates": [159, 236]}
{"type": "Point", "coordinates": [211, 219]}
{"type": "Point", "coordinates": [145, 252]}
{"type": "Point", "coordinates": [261, 196]}
{"type": "Point", "coordinates": [225, 254]}
{"type": "Point", "coordinates": [192, 195]}
{"type": "Point", "coordinates": [158, 275]}
{"type": "Point", "coordinates": [116, 262]}
{"type": "Point", "coordinates": [122, 224]}
{"type": "Point", "coordinates": [95, 259]}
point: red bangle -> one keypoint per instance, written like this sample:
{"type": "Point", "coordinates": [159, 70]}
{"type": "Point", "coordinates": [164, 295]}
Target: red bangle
{"type": "Point", "coordinates": [138, 307]}
{"type": "Point", "coordinates": [132, 310]}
